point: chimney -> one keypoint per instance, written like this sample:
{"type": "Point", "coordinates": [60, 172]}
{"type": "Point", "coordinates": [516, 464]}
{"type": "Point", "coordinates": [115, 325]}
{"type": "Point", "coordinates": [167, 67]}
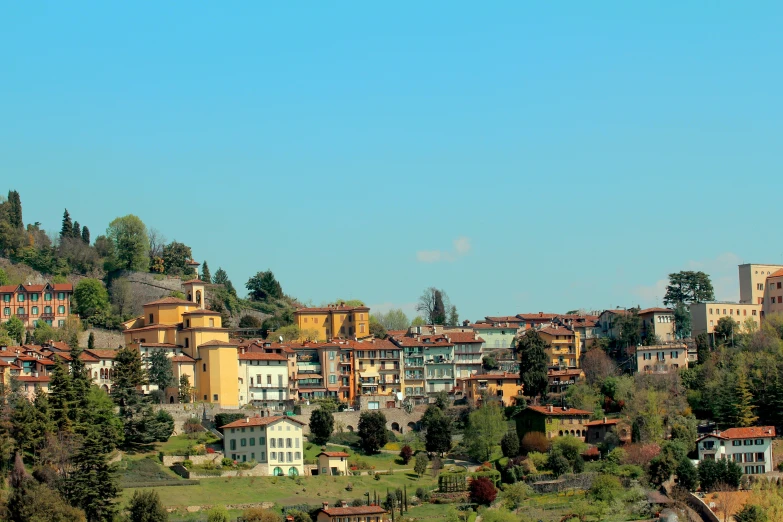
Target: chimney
{"type": "Point", "coordinates": [604, 420]}
{"type": "Point", "coordinates": [540, 314]}
{"type": "Point", "coordinates": [550, 408]}
{"type": "Point", "coordinates": [326, 505]}
{"type": "Point", "coordinates": [247, 420]}
{"type": "Point", "coordinates": [343, 503]}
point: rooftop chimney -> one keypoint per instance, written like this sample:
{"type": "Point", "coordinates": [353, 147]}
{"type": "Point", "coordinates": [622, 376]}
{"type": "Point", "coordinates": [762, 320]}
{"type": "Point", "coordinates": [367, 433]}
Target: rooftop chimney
{"type": "Point", "coordinates": [604, 420]}
{"type": "Point", "coordinates": [326, 505]}
{"type": "Point", "coordinates": [550, 408]}
{"type": "Point", "coordinates": [247, 420]}
{"type": "Point", "coordinates": [343, 503]}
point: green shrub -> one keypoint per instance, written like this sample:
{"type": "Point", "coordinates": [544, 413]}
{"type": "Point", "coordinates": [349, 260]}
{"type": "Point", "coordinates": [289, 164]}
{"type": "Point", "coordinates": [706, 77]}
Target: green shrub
{"type": "Point", "coordinates": [604, 488]}
{"type": "Point", "coordinates": [187, 464]}
{"type": "Point", "coordinates": [538, 459]}
{"type": "Point", "coordinates": [226, 462]}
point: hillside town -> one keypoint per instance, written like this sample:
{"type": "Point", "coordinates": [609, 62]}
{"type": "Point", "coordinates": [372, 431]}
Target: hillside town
{"type": "Point", "coordinates": [503, 407]}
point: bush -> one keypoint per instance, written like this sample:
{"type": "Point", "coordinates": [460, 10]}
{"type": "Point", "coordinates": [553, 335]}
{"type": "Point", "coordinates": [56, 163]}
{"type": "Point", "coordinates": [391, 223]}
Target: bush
{"type": "Point", "coordinates": [514, 495]}
{"type": "Point", "coordinates": [750, 513]}
{"type": "Point", "coordinates": [604, 488]}
{"type": "Point", "coordinates": [217, 514]}
{"type": "Point", "coordinates": [406, 454]}
{"type": "Point", "coordinates": [187, 464]}
{"type": "Point", "coordinates": [423, 494]}
{"type": "Point", "coordinates": [539, 460]}
{"type": "Point", "coordinates": [558, 464]}
{"type": "Point", "coordinates": [509, 444]}
{"type": "Point", "coordinates": [257, 514]}
{"type": "Point", "coordinates": [534, 441]}
{"type": "Point", "coordinates": [145, 506]}
{"type": "Point", "coordinates": [482, 491]}
{"type": "Point", "coordinates": [227, 462]}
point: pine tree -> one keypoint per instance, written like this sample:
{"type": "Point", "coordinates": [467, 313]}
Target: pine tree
{"type": "Point", "coordinates": [80, 389]}
{"type": "Point", "coordinates": [91, 341]}
{"type": "Point", "coordinates": [86, 235]}
{"type": "Point", "coordinates": [60, 395]}
{"type": "Point", "coordinates": [91, 485]}
{"type": "Point", "coordinates": [67, 228]}
{"type": "Point", "coordinates": [205, 275]}
{"type": "Point", "coordinates": [21, 484]}
{"type": "Point", "coordinates": [743, 403]}
{"type": "Point", "coordinates": [77, 230]}
{"type": "Point", "coordinates": [533, 364]}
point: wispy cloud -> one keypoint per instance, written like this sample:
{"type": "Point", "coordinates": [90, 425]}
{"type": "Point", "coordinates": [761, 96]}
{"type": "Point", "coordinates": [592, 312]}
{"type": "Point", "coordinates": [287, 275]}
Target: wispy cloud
{"type": "Point", "coordinates": [408, 308]}
{"type": "Point", "coordinates": [460, 247]}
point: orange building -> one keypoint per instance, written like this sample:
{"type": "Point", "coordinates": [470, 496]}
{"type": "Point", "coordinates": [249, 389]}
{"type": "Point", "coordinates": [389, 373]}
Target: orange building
{"type": "Point", "coordinates": [32, 303]}
{"type": "Point", "coordinates": [333, 322]}
{"type": "Point", "coordinates": [506, 386]}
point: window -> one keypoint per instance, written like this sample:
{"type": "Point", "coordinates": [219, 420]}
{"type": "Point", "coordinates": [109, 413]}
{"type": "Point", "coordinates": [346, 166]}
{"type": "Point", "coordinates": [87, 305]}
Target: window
{"type": "Point", "coordinates": [262, 441]}
{"type": "Point", "coordinates": [712, 323]}
{"type": "Point", "coordinates": [288, 443]}
{"type": "Point", "coordinates": [7, 298]}
{"type": "Point", "coordinates": [332, 379]}
{"type": "Point", "coordinates": [6, 311]}
{"type": "Point", "coordinates": [211, 322]}
{"type": "Point", "coordinates": [759, 457]}
{"type": "Point", "coordinates": [759, 442]}
{"type": "Point", "coordinates": [263, 455]}
{"type": "Point", "coordinates": [187, 342]}
{"type": "Point", "coordinates": [749, 457]}
{"type": "Point", "coordinates": [204, 368]}
{"type": "Point", "coordinates": [759, 286]}
{"type": "Point", "coordinates": [215, 397]}
{"type": "Point", "coordinates": [187, 323]}
{"type": "Point", "coordinates": [47, 309]}
{"type": "Point", "coordinates": [252, 441]}
{"type": "Point", "coordinates": [48, 296]}
{"type": "Point", "coordinates": [35, 310]}
{"type": "Point", "coordinates": [273, 456]}
{"type": "Point", "coordinates": [243, 442]}
{"type": "Point", "coordinates": [20, 298]}
{"type": "Point", "coordinates": [34, 297]}
{"type": "Point", "coordinates": [297, 455]}
{"type": "Point", "coordinates": [752, 312]}
{"type": "Point", "coordinates": [61, 309]}
{"type": "Point", "coordinates": [20, 311]}
{"type": "Point", "coordinates": [233, 444]}
{"type": "Point", "coordinates": [272, 442]}
{"type": "Point", "coordinates": [736, 443]}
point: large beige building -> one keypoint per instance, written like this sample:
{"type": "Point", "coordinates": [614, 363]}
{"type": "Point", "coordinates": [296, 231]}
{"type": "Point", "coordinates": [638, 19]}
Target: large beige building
{"type": "Point", "coordinates": [774, 299]}
{"type": "Point", "coordinates": [273, 442]}
{"type": "Point", "coordinates": [705, 316]}
{"type": "Point", "coordinates": [753, 282]}
{"type": "Point", "coordinates": [659, 321]}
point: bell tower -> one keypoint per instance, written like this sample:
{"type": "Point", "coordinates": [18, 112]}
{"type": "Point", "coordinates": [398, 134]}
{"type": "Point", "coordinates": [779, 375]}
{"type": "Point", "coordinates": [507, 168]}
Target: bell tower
{"type": "Point", "coordinates": [194, 291]}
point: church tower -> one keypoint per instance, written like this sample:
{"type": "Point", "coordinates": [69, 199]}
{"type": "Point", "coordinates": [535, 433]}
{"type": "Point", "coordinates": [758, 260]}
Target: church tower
{"type": "Point", "coordinates": [194, 292]}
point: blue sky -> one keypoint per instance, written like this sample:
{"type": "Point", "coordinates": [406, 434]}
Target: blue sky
{"type": "Point", "coordinates": [522, 156]}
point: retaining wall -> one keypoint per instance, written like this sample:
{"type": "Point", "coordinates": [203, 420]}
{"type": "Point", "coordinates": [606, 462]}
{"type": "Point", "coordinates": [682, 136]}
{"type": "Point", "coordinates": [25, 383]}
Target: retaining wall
{"type": "Point", "coordinates": [701, 508]}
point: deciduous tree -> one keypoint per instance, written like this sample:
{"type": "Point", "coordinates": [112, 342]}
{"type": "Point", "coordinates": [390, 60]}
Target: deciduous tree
{"type": "Point", "coordinates": [175, 258]}
{"type": "Point", "coordinates": [145, 506]}
{"type": "Point", "coordinates": [321, 425]}
{"type": "Point", "coordinates": [688, 287]}
{"type": "Point", "coordinates": [372, 431]}
{"type": "Point", "coordinates": [487, 426]}
{"type": "Point", "coordinates": [263, 286]}
{"type": "Point", "coordinates": [131, 244]}
{"type": "Point", "coordinates": [434, 305]}
{"type": "Point", "coordinates": [160, 371]}
{"type": "Point", "coordinates": [91, 300]}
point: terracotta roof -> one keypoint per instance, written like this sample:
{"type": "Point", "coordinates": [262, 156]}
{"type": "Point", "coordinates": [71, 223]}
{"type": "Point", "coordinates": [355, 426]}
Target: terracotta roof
{"type": "Point", "coordinates": [26, 358]}
{"type": "Point", "coordinates": [607, 422]}
{"type": "Point", "coordinates": [490, 326]}
{"type": "Point", "coordinates": [463, 337]}
{"type": "Point", "coordinates": [183, 358]}
{"type": "Point", "coordinates": [618, 311]}
{"type": "Point", "coordinates": [557, 410]}
{"type": "Point", "coordinates": [33, 288]}
{"type": "Point", "coordinates": [754, 432]}
{"type": "Point", "coordinates": [62, 287]}
{"type": "Point", "coordinates": [215, 342]}
{"type": "Point", "coordinates": [171, 300]}
{"type": "Point", "coordinates": [373, 344]}
{"type": "Point", "coordinates": [539, 315]}
{"type": "Point", "coordinates": [3, 363]}
{"type": "Point", "coordinates": [102, 354]}
{"type": "Point", "coordinates": [7, 289]}
{"type": "Point", "coordinates": [333, 454]}
{"type": "Point", "coordinates": [559, 373]}
{"type": "Point", "coordinates": [262, 356]}
{"type": "Point", "coordinates": [423, 340]}
{"type": "Point", "coordinates": [201, 312]}
{"type": "Point", "coordinates": [60, 346]}
{"type": "Point", "coordinates": [551, 330]}
{"type": "Point", "coordinates": [31, 378]}
{"type": "Point", "coordinates": [504, 319]}
{"type": "Point", "coordinates": [84, 356]}
{"type": "Point", "coordinates": [353, 511]}
{"type": "Point", "coordinates": [194, 281]}
{"type": "Point", "coordinates": [258, 421]}
{"type": "Point", "coordinates": [160, 345]}
{"type": "Point", "coordinates": [490, 376]}
{"type": "Point", "coordinates": [777, 273]}
{"type": "Point", "coordinates": [656, 311]}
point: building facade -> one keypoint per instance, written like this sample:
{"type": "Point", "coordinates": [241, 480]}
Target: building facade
{"type": "Point", "coordinates": [505, 387]}
{"type": "Point", "coordinates": [263, 380]}
{"type": "Point", "coordinates": [346, 513]}
{"type": "Point", "coordinates": [663, 358]}
{"type": "Point", "coordinates": [50, 303]}
{"type": "Point", "coordinates": [753, 282]}
{"type": "Point", "coordinates": [554, 421]}
{"type": "Point", "coordinates": [496, 335]}
{"type": "Point", "coordinates": [705, 316]}
{"type": "Point", "coordinates": [658, 321]}
{"type": "Point", "coordinates": [273, 442]}
{"type": "Point", "coordinates": [379, 367]}
{"type": "Point", "coordinates": [333, 322]}
{"type": "Point", "coordinates": [751, 448]}
{"type": "Point", "coordinates": [563, 346]}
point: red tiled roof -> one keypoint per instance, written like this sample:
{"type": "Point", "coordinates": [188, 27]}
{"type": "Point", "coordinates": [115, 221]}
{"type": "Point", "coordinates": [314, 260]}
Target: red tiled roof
{"type": "Point", "coordinates": [258, 421]}
{"type": "Point", "coordinates": [539, 315]}
{"type": "Point", "coordinates": [194, 281]}
{"type": "Point", "coordinates": [84, 356]}
{"type": "Point", "coordinates": [490, 326]}
{"type": "Point", "coordinates": [777, 273]}
{"type": "Point", "coordinates": [31, 378]}
{"type": "Point", "coordinates": [463, 337]}
{"type": "Point", "coordinates": [754, 432]}
{"type": "Point", "coordinates": [262, 356]}
{"type": "Point", "coordinates": [33, 288]}
{"type": "Point", "coordinates": [326, 309]}
{"type": "Point", "coordinates": [353, 511]}
{"type": "Point", "coordinates": [655, 311]}
{"type": "Point", "coordinates": [103, 354]}
{"type": "Point", "coordinates": [558, 410]}
{"type": "Point", "coordinates": [154, 327]}
{"type": "Point", "coordinates": [333, 454]}
{"type": "Point", "coordinates": [618, 311]}
{"type": "Point", "coordinates": [62, 287]}
{"type": "Point", "coordinates": [551, 330]}
{"type": "Point", "coordinates": [7, 289]}
{"type": "Point", "coordinates": [60, 346]}
{"type": "Point", "coordinates": [504, 319]}
{"type": "Point", "coordinates": [607, 422]}
{"type": "Point", "coordinates": [183, 358]}
{"type": "Point", "coordinates": [215, 342]}
{"type": "Point", "coordinates": [490, 376]}
{"type": "Point", "coordinates": [171, 300]}
{"type": "Point", "coordinates": [373, 344]}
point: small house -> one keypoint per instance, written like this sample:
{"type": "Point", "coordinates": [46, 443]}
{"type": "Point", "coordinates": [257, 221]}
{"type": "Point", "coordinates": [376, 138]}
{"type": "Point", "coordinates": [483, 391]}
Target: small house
{"type": "Point", "coordinates": [332, 463]}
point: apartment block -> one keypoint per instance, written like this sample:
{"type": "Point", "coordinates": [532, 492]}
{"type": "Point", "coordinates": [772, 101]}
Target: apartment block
{"type": "Point", "coordinates": [379, 367]}
{"type": "Point", "coordinates": [333, 322]}
{"type": "Point", "coordinates": [50, 303]}
{"type": "Point", "coordinates": [705, 316]}
{"type": "Point", "coordinates": [661, 358]}
{"type": "Point", "coordinates": [753, 282]}
{"type": "Point", "coordinates": [563, 346]}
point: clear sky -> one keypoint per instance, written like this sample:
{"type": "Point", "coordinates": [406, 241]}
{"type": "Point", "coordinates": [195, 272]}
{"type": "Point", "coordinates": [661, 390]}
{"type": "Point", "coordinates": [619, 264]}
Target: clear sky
{"type": "Point", "coordinates": [523, 156]}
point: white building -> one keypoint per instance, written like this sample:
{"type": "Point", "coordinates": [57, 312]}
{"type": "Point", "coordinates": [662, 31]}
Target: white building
{"type": "Point", "coordinates": [263, 379]}
{"type": "Point", "coordinates": [274, 442]}
{"type": "Point", "coordinates": [751, 448]}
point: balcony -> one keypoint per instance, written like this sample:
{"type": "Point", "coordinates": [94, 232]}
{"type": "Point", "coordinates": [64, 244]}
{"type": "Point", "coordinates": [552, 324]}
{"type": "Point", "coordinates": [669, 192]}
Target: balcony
{"type": "Point", "coordinates": [23, 316]}
{"type": "Point", "coordinates": [47, 316]}
{"type": "Point", "coordinates": [310, 385]}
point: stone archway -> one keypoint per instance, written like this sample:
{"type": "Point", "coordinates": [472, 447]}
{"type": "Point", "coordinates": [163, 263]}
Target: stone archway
{"type": "Point", "coordinates": [395, 426]}
{"type": "Point", "coordinates": [412, 426]}
{"type": "Point", "coordinates": [350, 428]}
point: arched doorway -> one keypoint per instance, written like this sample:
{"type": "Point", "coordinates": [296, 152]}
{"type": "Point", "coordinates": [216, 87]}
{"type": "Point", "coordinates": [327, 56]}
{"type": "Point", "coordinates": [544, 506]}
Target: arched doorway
{"type": "Point", "coordinates": [293, 472]}
{"type": "Point", "coordinates": [412, 426]}
{"type": "Point", "coordinates": [171, 400]}
{"type": "Point", "coordinates": [277, 472]}
{"type": "Point", "coordinates": [395, 426]}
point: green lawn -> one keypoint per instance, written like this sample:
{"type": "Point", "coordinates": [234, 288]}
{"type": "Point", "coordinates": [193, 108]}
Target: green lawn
{"type": "Point", "coordinates": [282, 490]}
{"type": "Point", "coordinates": [178, 444]}
{"type": "Point", "coordinates": [381, 461]}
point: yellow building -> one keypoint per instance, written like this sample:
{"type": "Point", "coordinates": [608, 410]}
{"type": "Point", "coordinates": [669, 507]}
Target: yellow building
{"type": "Point", "coordinates": [753, 282]}
{"type": "Point", "coordinates": [705, 316]}
{"type": "Point", "coordinates": [563, 346]}
{"type": "Point", "coordinates": [505, 386]}
{"type": "Point", "coordinates": [196, 340]}
{"type": "Point", "coordinates": [333, 322]}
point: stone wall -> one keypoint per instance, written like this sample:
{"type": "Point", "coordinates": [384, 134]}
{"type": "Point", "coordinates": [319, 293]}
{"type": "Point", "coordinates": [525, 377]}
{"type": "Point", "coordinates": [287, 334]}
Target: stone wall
{"type": "Point", "coordinates": [104, 339]}
{"type": "Point", "coordinates": [170, 460]}
{"type": "Point", "coordinates": [397, 419]}
{"type": "Point", "coordinates": [260, 470]}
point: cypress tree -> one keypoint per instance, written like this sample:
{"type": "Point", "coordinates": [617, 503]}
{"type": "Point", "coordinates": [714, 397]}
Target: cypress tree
{"type": "Point", "coordinates": [15, 209]}
{"type": "Point", "coordinates": [91, 341]}
{"type": "Point", "coordinates": [205, 275]}
{"type": "Point", "coordinates": [533, 364]}
{"type": "Point", "coordinates": [60, 395]}
{"type": "Point", "coordinates": [67, 227]}
{"type": "Point", "coordinates": [743, 405]}
{"type": "Point", "coordinates": [76, 233]}
{"type": "Point", "coordinates": [86, 235]}
{"type": "Point", "coordinates": [92, 484]}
